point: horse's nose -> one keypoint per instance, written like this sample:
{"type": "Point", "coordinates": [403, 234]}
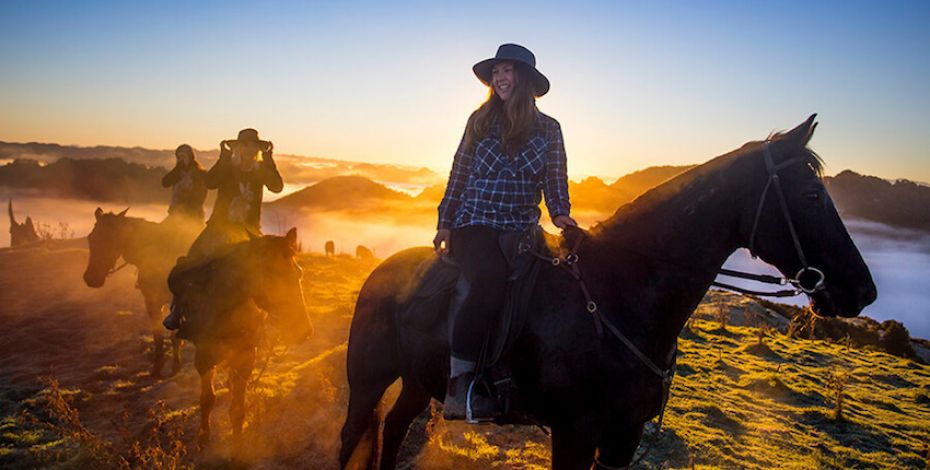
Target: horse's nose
{"type": "Point", "coordinates": [867, 294]}
{"type": "Point", "coordinates": [91, 281]}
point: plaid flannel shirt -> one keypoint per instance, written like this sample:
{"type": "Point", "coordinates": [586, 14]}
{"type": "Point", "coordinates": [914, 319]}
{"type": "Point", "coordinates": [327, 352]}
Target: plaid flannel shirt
{"type": "Point", "coordinates": [487, 187]}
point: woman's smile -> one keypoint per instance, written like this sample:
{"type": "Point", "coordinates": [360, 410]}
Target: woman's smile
{"type": "Point", "coordinates": [502, 79]}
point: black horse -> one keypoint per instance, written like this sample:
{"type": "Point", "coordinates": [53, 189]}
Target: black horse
{"type": "Point", "coordinates": [228, 296]}
{"type": "Point", "coordinates": [647, 267]}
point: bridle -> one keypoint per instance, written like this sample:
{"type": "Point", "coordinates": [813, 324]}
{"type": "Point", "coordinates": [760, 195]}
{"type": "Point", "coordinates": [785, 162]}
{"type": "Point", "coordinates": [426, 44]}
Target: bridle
{"type": "Point", "coordinates": [569, 262]}
{"type": "Point", "coordinates": [773, 180]}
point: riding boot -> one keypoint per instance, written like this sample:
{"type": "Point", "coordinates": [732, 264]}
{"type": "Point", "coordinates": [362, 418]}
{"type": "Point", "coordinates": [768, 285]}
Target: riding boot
{"type": "Point", "coordinates": [173, 320]}
{"type": "Point", "coordinates": [460, 391]}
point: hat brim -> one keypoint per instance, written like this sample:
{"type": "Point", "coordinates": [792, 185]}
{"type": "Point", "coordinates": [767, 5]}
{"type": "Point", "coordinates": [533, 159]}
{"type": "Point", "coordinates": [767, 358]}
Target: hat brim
{"type": "Point", "coordinates": [483, 72]}
{"type": "Point", "coordinates": [233, 142]}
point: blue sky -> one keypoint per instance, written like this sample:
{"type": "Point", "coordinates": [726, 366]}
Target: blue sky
{"type": "Point", "coordinates": [634, 83]}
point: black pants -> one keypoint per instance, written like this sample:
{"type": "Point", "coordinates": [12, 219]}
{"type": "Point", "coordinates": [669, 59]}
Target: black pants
{"type": "Point", "coordinates": [478, 252]}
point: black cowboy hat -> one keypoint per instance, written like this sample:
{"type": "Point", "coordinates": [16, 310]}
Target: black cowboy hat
{"type": "Point", "coordinates": [514, 53]}
{"type": "Point", "coordinates": [248, 135]}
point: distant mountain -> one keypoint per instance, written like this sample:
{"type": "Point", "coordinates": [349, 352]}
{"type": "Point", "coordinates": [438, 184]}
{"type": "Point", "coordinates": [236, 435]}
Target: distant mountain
{"type": "Point", "coordinates": [48, 153]}
{"type": "Point", "coordinates": [901, 203]}
{"type": "Point", "coordinates": [592, 194]}
{"type": "Point", "coordinates": [340, 192]}
{"type": "Point", "coordinates": [132, 175]}
{"type": "Point", "coordinates": [432, 193]}
{"type": "Point", "coordinates": [110, 180]}
{"type": "Point", "coordinates": [294, 168]}
{"type": "Point", "coordinates": [638, 182]}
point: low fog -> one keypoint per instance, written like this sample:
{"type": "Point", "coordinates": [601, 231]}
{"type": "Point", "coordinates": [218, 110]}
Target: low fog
{"type": "Point", "coordinates": [899, 258]}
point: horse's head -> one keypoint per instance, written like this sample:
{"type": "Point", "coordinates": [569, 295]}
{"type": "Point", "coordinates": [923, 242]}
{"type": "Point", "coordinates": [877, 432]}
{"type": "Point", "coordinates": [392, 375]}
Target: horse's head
{"type": "Point", "coordinates": [106, 242]}
{"type": "Point", "coordinates": [790, 222]}
{"type": "Point", "coordinates": [277, 285]}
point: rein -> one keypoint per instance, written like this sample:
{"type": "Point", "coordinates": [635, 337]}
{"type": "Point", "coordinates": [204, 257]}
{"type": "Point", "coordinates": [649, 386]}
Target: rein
{"type": "Point", "coordinates": [569, 263]}
{"type": "Point", "coordinates": [116, 269]}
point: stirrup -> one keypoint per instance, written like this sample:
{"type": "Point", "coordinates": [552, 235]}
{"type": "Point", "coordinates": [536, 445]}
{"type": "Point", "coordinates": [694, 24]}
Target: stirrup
{"type": "Point", "coordinates": [469, 413]}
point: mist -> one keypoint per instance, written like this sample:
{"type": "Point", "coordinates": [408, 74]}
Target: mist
{"type": "Point", "coordinates": [899, 260]}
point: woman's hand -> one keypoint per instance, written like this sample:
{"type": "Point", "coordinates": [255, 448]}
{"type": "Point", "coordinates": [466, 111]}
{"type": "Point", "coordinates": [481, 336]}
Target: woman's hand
{"type": "Point", "coordinates": [441, 241]}
{"type": "Point", "coordinates": [225, 149]}
{"type": "Point", "coordinates": [562, 221]}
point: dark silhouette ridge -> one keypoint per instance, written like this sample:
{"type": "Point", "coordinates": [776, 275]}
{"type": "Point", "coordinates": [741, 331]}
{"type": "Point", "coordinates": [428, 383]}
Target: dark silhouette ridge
{"type": "Point", "coordinates": [901, 203]}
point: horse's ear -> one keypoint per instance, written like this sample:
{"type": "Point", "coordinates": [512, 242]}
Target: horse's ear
{"type": "Point", "coordinates": [123, 214]}
{"type": "Point", "coordinates": [98, 213]}
{"type": "Point", "coordinates": [802, 134]}
{"type": "Point", "coordinates": [292, 238]}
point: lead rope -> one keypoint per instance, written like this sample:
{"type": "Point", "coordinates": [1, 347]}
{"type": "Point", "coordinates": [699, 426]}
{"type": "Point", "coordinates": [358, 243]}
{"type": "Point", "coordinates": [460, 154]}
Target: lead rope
{"type": "Point", "coordinates": [570, 264]}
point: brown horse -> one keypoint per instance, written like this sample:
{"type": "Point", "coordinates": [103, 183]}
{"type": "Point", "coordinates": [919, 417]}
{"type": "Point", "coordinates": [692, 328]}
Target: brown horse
{"type": "Point", "coordinates": [364, 253]}
{"type": "Point", "coordinates": [152, 248]}
{"type": "Point", "coordinates": [227, 297]}
{"type": "Point", "coordinates": [646, 269]}
{"type": "Point", "coordinates": [329, 248]}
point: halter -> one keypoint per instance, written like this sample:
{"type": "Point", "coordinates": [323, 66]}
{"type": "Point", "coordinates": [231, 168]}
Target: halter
{"type": "Point", "coordinates": [772, 170]}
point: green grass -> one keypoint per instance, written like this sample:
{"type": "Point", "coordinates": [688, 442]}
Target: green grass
{"type": "Point", "coordinates": [741, 403]}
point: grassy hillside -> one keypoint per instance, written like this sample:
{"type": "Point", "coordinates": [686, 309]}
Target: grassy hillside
{"type": "Point", "coordinates": [75, 390]}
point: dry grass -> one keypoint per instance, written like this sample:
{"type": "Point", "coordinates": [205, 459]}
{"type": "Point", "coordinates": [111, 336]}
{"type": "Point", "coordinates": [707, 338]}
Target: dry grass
{"type": "Point", "coordinates": [744, 397]}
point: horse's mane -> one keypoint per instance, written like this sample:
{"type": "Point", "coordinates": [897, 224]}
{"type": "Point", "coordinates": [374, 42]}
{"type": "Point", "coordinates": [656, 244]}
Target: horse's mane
{"type": "Point", "coordinates": [218, 263]}
{"type": "Point", "coordinates": [679, 184]}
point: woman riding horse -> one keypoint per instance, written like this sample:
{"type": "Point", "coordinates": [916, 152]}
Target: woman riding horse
{"type": "Point", "coordinates": [509, 153]}
{"type": "Point", "coordinates": [188, 187]}
{"type": "Point", "coordinates": [239, 177]}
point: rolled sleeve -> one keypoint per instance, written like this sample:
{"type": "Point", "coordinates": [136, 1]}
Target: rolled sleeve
{"type": "Point", "coordinates": [555, 186]}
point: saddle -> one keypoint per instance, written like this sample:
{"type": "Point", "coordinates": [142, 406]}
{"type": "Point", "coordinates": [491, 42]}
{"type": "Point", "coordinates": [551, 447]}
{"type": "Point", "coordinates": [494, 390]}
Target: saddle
{"type": "Point", "coordinates": [439, 291]}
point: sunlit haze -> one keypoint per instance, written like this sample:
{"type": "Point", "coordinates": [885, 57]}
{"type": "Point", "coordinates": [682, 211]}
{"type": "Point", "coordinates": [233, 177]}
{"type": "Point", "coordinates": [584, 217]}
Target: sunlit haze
{"type": "Point", "coordinates": [633, 84]}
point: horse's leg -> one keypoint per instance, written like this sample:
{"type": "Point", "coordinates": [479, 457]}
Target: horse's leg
{"type": "Point", "coordinates": [618, 443]}
{"type": "Point", "coordinates": [573, 445]}
{"type": "Point", "coordinates": [153, 309]}
{"type": "Point", "coordinates": [175, 354]}
{"type": "Point", "coordinates": [240, 367]}
{"type": "Point", "coordinates": [371, 366]}
{"type": "Point", "coordinates": [412, 401]}
{"type": "Point", "coordinates": [363, 420]}
{"type": "Point", "coordinates": [207, 398]}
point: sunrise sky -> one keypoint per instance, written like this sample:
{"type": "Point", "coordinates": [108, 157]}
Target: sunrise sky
{"type": "Point", "coordinates": [633, 83]}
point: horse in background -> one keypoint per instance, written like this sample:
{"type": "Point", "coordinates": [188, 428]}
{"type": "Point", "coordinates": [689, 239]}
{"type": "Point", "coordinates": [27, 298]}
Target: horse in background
{"type": "Point", "coordinates": [152, 248]}
{"type": "Point", "coordinates": [364, 253]}
{"type": "Point", "coordinates": [329, 248]}
{"type": "Point", "coordinates": [227, 297]}
{"type": "Point", "coordinates": [21, 234]}
{"type": "Point", "coordinates": [646, 269]}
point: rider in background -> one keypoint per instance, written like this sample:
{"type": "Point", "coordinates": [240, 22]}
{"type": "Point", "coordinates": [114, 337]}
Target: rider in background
{"type": "Point", "coordinates": [188, 188]}
{"type": "Point", "coordinates": [509, 154]}
{"type": "Point", "coordinates": [239, 176]}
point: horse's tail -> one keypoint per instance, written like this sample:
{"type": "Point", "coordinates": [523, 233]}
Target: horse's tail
{"type": "Point", "coordinates": [12, 219]}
